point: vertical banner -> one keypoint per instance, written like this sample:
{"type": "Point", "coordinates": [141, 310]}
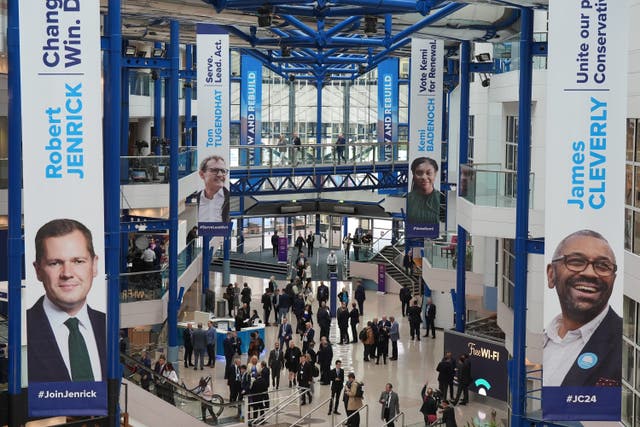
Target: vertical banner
{"type": "Point", "coordinates": [213, 129]}
{"type": "Point", "coordinates": [387, 127]}
{"type": "Point", "coordinates": [425, 130]}
{"type": "Point", "coordinates": [584, 227]}
{"type": "Point", "coordinates": [283, 249]}
{"type": "Point", "coordinates": [250, 109]}
{"type": "Point", "coordinates": [65, 295]}
{"type": "Point", "coordinates": [382, 278]}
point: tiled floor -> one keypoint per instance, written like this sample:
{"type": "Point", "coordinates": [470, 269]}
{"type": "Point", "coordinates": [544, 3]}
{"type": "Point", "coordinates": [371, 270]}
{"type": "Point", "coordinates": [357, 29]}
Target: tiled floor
{"type": "Point", "coordinates": [415, 367]}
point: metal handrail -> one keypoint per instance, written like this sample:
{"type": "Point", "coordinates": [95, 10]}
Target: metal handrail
{"type": "Point", "coordinates": [295, 423]}
{"type": "Point", "coordinates": [366, 416]}
{"type": "Point", "coordinates": [275, 410]}
{"type": "Point", "coordinates": [392, 420]}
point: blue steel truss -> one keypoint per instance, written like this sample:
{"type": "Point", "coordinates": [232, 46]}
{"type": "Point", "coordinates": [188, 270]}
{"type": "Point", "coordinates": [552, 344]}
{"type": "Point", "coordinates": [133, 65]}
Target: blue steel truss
{"type": "Point", "coordinates": [267, 181]}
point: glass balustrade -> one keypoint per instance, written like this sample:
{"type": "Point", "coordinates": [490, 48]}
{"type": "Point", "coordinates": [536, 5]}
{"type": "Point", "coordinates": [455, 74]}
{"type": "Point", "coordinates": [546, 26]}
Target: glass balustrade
{"type": "Point", "coordinates": [488, 185]}
{"type": "Point", "coordinates": [155, 169]}
{"type": "Point", "coordinates": [442, 254]}
{"type": "Point", "coordinates": [151, 285]}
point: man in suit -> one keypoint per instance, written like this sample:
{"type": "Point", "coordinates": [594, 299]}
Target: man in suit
{"type": "Point", "coordinates": [305, 375]}
{"type": "Point", "coordinates": [199, 346]}
{"type": "Point", "coordinates": [354, 320]}
{"type": "Point", "coordinates": [336, 378]}
{"type": "Point", "coordinates": [66, 339]}
{"type": "Point", "coordinates": [324, 320]}
{"type": "Point", "coordinates": [582, 343]}
{"type": "Point", "coordinates": [322, 294]}
{"type": "Point", "coordinates": [390, 404]}
{"type": "Point", "coordinates": [463, 366]}
{"type": "Point", "coordinates": [213, 200]}
{"type": "Point", "coordinates": [276, 362]}
{"type": "Point", "coordinates": [233, 375]}
{"type": "Point", "coordinates": [187, 341]}
{"type": "Point", "coordinates": [394, 336]}
{"type": "Point", "coordinates": [430, 318]}
{"type": "Point", "coordinates": [307, 336]}
{"type": "Point", "coordinates": [212, 336]}
{"type": "Point", "coordinates": [413, 313]}
{"type": "Point", "coordinates": [285, 333]}
{"type": "Point", "coordinates": [229, 348]}
{"type": "Point", "coordinates": [445, 375]}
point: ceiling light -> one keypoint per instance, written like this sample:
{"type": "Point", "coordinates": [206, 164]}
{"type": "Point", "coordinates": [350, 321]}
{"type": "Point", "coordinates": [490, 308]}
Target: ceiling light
{"type": "Point", "coordinates": [370, 24]}
{"type": "Point", "coordinates": [264, 16]}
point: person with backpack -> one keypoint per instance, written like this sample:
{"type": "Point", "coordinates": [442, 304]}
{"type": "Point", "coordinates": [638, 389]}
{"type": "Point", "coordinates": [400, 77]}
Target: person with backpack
{"type": "Point", "coordinates": [369, 341]}
{"type": "Point", "coordinates": [354, 392]}
{"type": "Point", "coordinates": [383, 343]}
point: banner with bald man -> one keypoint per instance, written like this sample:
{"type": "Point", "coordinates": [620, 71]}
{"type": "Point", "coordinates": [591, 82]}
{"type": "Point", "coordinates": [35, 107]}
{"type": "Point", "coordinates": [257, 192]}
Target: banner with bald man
{"type": "Point", "coordinates": [584, 207]}
{"type": "Point", "coordinates": [214, 115]}
{"type": "Point", "coordinates": [64, 299]}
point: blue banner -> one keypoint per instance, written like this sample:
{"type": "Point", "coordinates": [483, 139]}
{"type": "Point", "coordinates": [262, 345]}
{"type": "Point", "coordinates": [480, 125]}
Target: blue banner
{"type": "Point", "coordinates": [387, 127]}
{"type": "Point", "coordinates": [250, 109]}
{"type": "Point", "coordinates": [67, 398]}
{"type": "Point", "coordinates": [582, 403]}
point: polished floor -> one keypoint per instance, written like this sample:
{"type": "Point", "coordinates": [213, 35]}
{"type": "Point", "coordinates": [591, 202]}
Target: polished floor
{"type": "Point", "coordinates": [415, 366]}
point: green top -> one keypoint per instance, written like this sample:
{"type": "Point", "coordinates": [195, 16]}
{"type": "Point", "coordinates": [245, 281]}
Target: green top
{"type": "Point", "coordinates": [423, 209]}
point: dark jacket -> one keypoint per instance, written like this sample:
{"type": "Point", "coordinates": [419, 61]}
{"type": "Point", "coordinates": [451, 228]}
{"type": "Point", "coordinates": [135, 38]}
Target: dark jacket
{"type": "Point", "coordinates": [359, 294]}
{"type": "Point", "coordinates": [44, 357]}
{"type": "Point", "coordinates": [266, 301]}
{"type": "Point", "coordinates": [445, 371]}
{"type": "Point", "coordinates": [324, 318]}
{"type": "Point", "coordinates": [343, 318]}
{"type": "Point", "coordinates": [414, 314]}
{"type": "Point", "coordinates": [405, 294]}
{"type": "Point", "coordinates": [336, 379]}
{"type": "Point", "coordinates": [608, 369]}
{"type": "Point", "coordinates": [325, 355]}
{"type": "Point", "coordinates": [199, 339]}
{"type": "Point", "coordinates": [276, 360]}
{"type": "Point", "coordinates": [464, 372]}
{"type": "Point", "coordinates": [322, 294]}
{"type": "Point", "coordinates": [292, 358]}
{"type": "Point", "coordinates": [354, 317]}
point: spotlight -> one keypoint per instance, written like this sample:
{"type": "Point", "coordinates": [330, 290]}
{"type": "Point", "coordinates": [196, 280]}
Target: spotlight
{"type": "Point", "coordinates": [141, 54]}
{"type": "Point", "coordinates": [370, 24]}
{"type": "Point", "coordinates": [154, 75]}
{"type": "Point", "coordinates": [362, 69]}
{"type": "Point", "coordinates": [158, 53]}
{"type": "Point", "coordinates": [486, 82]}
{"type": "Point", "coordinates": [264, 16]}
{"type": "Point", "coordinates": [130, 50]}
{"type": "Point", "coordinates": [285, 51]}
{"type": "Point", "coordinates": [292, 77]}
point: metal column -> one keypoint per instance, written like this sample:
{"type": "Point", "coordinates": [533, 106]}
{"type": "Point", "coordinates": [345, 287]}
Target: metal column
{"type": "Point", "coordinates": [15, 245]}
{"type": "Point", "coordinates": [319, 85]}
{"type": "Point", "coordinates": [187, 97]}
{"type": "Point", "coordinates": [461, 306]}
{"type": "Point", "coordinates": [517, 373]}
{"type": "Point", "coordinates": [157, 108]}
{"type": "Point", "coordinates": [172, 120]}
{"type": "Point", "coordinates": [112, 135]}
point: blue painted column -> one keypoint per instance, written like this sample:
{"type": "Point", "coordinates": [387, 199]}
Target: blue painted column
{"type": "Point", "coordinates": [157, 108]}
{"type": "Point", "coordinates": [172, 121]}
{"type": "Point", "coordinates": [319, 85]}
{"type": "Point", "coordinates": [112, 135]}
{"type": "Point", "coordinates": [124, 130]}
{"type": "Point", "coordinates": [188, 92]}
{"type": "Point", "coordinates": [517, 371]}
{"type": "Point", "coordinates": [206, 262]}
{"type": "Point", "coordinates": [15, 245]}
{"type": "Point", "coordinates": [461, 306]}
{"type": "Point", "coordinates": [167, 101]}
{"type": "Point", "coordinates": [226, 259]}
{"type": "Point", "coordinates": [318, 228]}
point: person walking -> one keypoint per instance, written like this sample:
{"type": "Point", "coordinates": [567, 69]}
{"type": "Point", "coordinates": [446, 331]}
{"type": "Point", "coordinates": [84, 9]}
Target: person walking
{"type": "Point", "coordinates": [346, 244]}
{"type": "Point", "coordinates": [324, 320]}
{"type": "Point", "coordinates": [354, 401]}
{"type": "Point", "coordinates": [336, 378]}
{"type": "Point", "coordinates": [343, 323]}
{"type": "Point", "coordinates": [341, 144]}
{"type": "Point", "coordinates": [445, 375]}
{"type": "Point", "coordinates": [354, 319]}
{"type": "Point", "coordinates": [300, 242]}
{"type": "Point", "coordinates": [310, 241]}
{"type": "Point", "coordinates": [359, 295]}
{"type": "Point", "coordinates": [413, 313]}
{"type": "Point", "coordinates": [405, 299]}
{"type": "Point", "coordinates": [325, 356]}
{"type": "Point", "coordinates": [274, 244]}
{"type": "Point", "coordinates": [430, 318]}
{"type": "Point", "coordinates": [267, 304]}
{"type": "Point", "coordinates": [276, 363]}
{"type": "Point", "coordinates": [394, 336]}
{"type": "Point", "coordinates": [463, 366]}
{"type": "Point", "coordinates": [390, 405]}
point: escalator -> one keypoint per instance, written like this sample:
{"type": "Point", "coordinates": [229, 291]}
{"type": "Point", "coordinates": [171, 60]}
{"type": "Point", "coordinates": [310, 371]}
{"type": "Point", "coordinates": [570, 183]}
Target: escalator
{"type": "Point", "coordinates": [150, 396]}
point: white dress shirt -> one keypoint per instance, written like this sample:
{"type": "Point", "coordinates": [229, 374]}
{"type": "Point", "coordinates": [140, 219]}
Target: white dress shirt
{"type": "Point", "coordinates": [210, 210]}
{"type": "Point", "coordinates": [57, 317]}
{"type": "Point", "coordinates": [559, 354]}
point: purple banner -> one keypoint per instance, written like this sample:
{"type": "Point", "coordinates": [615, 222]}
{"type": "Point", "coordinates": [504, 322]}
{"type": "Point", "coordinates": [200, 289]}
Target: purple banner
{"type": "Point", "coordinates": [382, 278]}
{"type": "Point", "coordinates": [282, 249]}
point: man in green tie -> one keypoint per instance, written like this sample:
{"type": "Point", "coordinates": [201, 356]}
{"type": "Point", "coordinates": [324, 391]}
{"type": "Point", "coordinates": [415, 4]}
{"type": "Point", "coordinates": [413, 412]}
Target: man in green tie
{"type": "Point", "coordinates": [66, 339]}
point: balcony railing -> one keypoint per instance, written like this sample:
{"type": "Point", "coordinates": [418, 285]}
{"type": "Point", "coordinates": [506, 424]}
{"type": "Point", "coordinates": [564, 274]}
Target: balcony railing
{"type": "Point", "coordinates": [442, 254]}
{"type": "Point", "coordinates": [151, 285]}
{"type": "Point", "coordinates": [155, 169]}
{"type": "Point", "coordinates": [486, 184]}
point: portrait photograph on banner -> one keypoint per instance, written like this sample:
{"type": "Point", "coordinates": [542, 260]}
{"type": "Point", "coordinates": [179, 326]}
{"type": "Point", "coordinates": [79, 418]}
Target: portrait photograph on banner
{"type": "Point", "coordinates": [213, 130]}
{"type": "Point", "coordinates": [584, 218]}
{"type": "Point", "coordinates": [425, 130]}
{"type": "Point", "coordinates": [64, 300]}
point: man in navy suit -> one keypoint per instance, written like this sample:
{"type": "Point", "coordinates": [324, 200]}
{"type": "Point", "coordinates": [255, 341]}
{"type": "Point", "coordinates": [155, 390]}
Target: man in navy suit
{"type": "Point", "coordinates": [66, 339]}
{"type": "Point", "coordinates": [285, 333]}
{"type": "Point", "coordinates": [582, 343]}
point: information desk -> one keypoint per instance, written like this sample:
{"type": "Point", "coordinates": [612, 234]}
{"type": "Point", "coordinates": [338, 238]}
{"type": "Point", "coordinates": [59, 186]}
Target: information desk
{"type": "Point", "coordinates": [224, 324]}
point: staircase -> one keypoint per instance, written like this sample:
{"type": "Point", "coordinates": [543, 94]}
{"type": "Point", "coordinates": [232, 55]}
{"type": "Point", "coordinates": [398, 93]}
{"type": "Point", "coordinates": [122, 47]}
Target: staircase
{"type": "Point", "coordinates": [386, 257]}
{"type": "Point", "coordinates": [255, 266]}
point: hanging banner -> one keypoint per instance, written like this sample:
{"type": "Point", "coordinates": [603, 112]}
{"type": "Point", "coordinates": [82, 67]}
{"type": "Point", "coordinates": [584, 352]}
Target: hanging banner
{"type": "Point", "coordinates": [584, 227]}
{"type": "Point", "coordinates": [382, 278]}
{"type": "Point", "coordinates": [213, 129]}
{"type": "Point", "coordinates": [250, 109]}
{"type": "Point", "coordinates": [65, 295]}
{"type": "Point", "coordinates": [425, 130]}
{"type": "Point", "coordinates": [387, 127]}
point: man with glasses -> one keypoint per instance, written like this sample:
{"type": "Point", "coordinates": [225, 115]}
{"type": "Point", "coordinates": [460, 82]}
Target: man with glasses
{"type": "Point", "coordinates": [582, 344]}
{"type": "Point", "coordinates": [213, 200]}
